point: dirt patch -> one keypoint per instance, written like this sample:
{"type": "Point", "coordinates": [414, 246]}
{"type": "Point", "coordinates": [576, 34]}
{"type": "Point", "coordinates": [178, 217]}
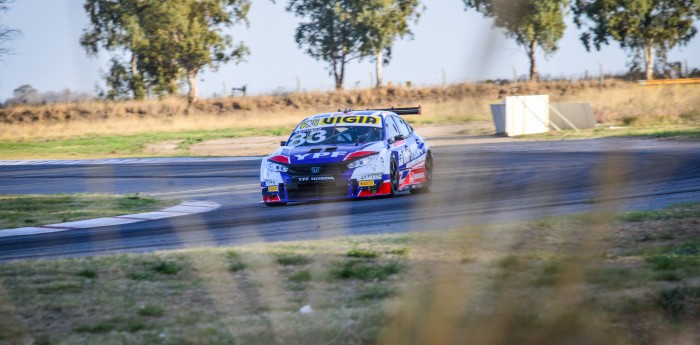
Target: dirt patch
{"type": "Point", "coordinates": [167, 147]}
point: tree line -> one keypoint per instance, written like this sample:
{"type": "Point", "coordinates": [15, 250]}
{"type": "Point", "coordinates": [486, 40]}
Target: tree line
{"type": "Point", "coordinates": [157, 44]}
{"type": "Point", "coordinates": [26, 94]}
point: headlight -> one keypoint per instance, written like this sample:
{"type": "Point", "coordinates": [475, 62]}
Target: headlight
{"type": "Point", "coordinates": [276, 167]}
{"type": "Point", "coordinates": [363, 161]}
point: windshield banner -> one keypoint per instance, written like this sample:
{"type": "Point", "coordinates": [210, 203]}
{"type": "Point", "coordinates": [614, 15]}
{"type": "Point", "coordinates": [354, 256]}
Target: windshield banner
{"type": "Point", "coordinates": [356, 120]}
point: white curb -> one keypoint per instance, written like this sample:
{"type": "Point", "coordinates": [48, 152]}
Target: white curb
{"type": "Point", "coordinates": [185, 208]}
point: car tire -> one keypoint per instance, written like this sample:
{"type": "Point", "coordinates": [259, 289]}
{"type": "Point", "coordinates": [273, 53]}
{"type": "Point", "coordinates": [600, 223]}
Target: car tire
{"type": "Point", "coordinates": [394, 177]}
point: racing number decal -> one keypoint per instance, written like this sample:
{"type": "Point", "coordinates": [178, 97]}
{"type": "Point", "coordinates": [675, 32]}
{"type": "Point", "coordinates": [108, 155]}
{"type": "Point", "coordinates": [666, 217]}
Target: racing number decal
{"type": "Point", "coordinates": [316, 137]}
{"type": "Point", "coordinates": [300, 138]}
{"type": "Point", "coordinates": [297, 139]}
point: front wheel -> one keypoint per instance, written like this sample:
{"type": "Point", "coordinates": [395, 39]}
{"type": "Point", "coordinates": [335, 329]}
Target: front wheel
{"type": "Point", "coordinates": [394, 177]}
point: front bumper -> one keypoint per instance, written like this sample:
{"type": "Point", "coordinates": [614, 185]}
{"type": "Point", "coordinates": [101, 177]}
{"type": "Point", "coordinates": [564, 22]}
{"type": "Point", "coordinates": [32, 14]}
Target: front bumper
{"type": "Point", "coordinates": [293, 190]}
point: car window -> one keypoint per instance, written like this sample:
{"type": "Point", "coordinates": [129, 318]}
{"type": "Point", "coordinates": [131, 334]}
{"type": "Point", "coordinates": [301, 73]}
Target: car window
{"type": "Point", "coordinates": [391, 129]}
{"type": "Point", "coordinates": [404, 128]}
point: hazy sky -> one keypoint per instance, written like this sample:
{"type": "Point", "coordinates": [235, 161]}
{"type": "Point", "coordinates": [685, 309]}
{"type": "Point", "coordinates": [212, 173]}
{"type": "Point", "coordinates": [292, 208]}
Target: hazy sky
{"type": "Point", "coordinates": [461, 43]}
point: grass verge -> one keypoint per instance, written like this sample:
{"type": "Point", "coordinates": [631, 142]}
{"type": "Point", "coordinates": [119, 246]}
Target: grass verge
{"type": "Point", "coordinates": [101, 146]}
{"type": "Point", "coordinates": [679, 132]}
{"type": "Point", "coordinates": [32, 210]}
{"type": "Point", "coordinates": [592, 278]}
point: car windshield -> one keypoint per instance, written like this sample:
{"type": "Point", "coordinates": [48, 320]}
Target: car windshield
{"type": "Point", "coordinates": [337, 135]}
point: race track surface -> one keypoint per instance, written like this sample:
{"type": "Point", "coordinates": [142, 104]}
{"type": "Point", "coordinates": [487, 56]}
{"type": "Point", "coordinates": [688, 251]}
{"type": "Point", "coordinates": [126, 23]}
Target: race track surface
{"type": "Point", "coordinates": [479, 183]}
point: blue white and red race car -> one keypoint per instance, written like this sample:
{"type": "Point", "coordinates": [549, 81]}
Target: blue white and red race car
{"type": "Point", "coordinates": [351, 154]}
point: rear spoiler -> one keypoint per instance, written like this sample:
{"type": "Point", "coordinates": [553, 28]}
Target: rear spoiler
{"type": "Point", "coordinates": [403, 111]}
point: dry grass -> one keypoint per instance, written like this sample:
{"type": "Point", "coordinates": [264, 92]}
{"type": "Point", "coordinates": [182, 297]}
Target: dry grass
{"type": "Point", "coordinates": [617, 103]}
{"type": "Point", "coordinates": [635, 105]}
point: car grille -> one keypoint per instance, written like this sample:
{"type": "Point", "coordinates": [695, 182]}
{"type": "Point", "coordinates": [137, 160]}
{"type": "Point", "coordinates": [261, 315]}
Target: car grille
{"type": "Point", "coordinates": [318, 189]}
{"type": "Point", "coordinates": [336, 170]}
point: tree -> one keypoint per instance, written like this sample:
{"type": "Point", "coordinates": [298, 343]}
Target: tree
{"type": "Point", "coordinates": [532, 23]}
{"type": "Point", "coordinates": [166, 40]}
{"type": "Point", "coordinates": [191, 33]}
{"type": "Point", "coordinates": [383, 21]}
{"type": "Point", "coordinates": [25, 94]}
{"type": "Point", "coordinates": [649, 26]}
{"type": "Point", "coordinates": [6, 34]}
{"type": "Point", "coordinates": [116, 26]}
{"type": "Point", "coordinates": [330, 34]}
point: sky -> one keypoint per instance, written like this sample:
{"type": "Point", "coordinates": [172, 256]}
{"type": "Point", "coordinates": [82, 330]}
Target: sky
{"type": "Point", "coordinates": [449, 45]}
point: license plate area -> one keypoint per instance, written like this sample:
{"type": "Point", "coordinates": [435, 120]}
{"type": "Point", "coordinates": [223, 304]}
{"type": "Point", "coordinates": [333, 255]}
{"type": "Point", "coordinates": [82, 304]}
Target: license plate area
{"type": "Point", "coordinates": [369, 183]}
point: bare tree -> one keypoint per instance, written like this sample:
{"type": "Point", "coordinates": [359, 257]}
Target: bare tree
{"type": "Point", "coordinates": [6, 34]}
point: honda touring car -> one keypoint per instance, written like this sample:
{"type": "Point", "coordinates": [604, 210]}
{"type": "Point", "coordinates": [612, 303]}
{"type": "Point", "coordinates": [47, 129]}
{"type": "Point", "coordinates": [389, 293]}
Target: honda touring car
{"type": "Point", "coordinates": [350, 154]}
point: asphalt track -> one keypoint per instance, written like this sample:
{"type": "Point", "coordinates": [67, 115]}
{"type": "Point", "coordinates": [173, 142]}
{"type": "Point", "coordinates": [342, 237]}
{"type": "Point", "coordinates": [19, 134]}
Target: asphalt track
{"type": "Point", "coordinates": [475, 183]}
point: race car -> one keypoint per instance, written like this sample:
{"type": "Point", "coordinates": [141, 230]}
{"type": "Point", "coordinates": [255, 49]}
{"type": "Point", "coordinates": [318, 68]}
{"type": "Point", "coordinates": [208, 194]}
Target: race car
{"type": "Point", "coordinates": [348, 154]}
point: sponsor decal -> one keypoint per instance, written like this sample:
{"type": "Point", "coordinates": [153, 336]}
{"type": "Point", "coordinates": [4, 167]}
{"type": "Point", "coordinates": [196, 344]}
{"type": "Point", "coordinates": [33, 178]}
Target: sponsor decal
{"type": "Point", "coordinates": [371, 177]}
{"type": "Point", "coordinates": [419, 175]}
{"type": "Point", "coordinates": [273, 189]}
{"type": "Point", "coordinates": [270, 182]}
{"type": "Point", "coordinates": [320, 155]}
{"type": "Point", "coordinates": [315, 179]}
{"type": "Point", "coordinates": [369, 183]}
{"type": "Point", "coordinates": [315, 170]}
{"type": "Point", "coordinates": [408, 154]}
{"type": "Point", "coordinates": [342, 120]}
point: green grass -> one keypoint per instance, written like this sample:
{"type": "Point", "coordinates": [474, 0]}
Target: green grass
{"type": "Point", "coordinates": [119, 145]}
{"type": "Point", "coordinates": [291, 259]}
{"type": "Point", "coordinates": [365, 270]}
{"type": "Point", "coordinates": [300, 276]}
{"type": "Point", "coordinates": [32, 210]}
{"type": "Point", "coordinates": [672, 212]}
{"type": "Point", "coordinates": [234, 261]}
{"type": "Point", "coordinates": [675, 301]}
{"type": "Point", "coordinates": [362, 253]}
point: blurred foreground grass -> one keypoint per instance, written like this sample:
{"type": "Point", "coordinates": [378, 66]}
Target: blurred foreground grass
{"type": "Point", "coordinates": [32, 210]}
{"type": "Point", "coordinates": [583, 279]}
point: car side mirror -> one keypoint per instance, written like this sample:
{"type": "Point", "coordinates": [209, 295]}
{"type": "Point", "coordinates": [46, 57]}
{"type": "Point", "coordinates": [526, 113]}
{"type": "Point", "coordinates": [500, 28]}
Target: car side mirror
{"type": "Point", "coordinates": [283, 143]}
{"type": "Point", "coordinates": [395, 138]}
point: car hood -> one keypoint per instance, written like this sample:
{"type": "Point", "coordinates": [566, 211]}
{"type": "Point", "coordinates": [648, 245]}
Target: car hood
{"type": "Point", "coordinates": [326, 153]}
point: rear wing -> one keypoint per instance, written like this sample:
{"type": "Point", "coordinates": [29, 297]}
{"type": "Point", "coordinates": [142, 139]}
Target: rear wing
{"type": "Point", "coordinates": [403, 111]}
